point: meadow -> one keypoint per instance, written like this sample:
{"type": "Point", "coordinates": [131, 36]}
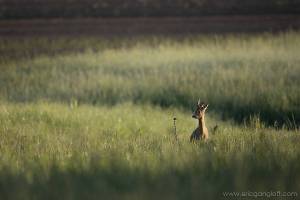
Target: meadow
{"type": "Point", "coordinates": [91, 117]}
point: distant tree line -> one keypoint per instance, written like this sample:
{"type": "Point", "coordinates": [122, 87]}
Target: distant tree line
{"type": "Point", "coordinates": [131, 8]}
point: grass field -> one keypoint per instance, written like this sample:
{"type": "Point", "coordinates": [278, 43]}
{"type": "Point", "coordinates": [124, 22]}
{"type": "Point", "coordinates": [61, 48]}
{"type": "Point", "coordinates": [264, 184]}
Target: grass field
{"type": "Point", "coordinates": [90, 118]}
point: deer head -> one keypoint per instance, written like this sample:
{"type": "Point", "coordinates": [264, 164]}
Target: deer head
{"type": "Point", "coordinates": [200, 110]}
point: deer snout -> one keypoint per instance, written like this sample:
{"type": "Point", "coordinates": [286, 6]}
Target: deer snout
{"type": "Point", "coordinates": [194, 116]}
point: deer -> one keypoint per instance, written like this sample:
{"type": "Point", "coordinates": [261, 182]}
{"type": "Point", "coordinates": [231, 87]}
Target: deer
{"type": "Point", "coordinates": [201, 132]}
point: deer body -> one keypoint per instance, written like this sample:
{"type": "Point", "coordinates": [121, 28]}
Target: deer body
{"type": "Point", "coordinates": [201, 132]}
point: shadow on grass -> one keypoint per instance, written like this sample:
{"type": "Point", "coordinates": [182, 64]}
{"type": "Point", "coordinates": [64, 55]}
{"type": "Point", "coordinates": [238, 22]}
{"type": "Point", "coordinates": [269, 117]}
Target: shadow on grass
{"type": "Point", "coordinates": [207, 180]}
{"type": "Point", "coordinates": [165, 98]}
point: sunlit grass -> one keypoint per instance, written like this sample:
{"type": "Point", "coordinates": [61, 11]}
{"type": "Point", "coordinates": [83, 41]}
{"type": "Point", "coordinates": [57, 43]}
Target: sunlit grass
{"type": "Point", "coordinates": [238, 75]}
{"type": "Point", "coordinates": [91, 118]}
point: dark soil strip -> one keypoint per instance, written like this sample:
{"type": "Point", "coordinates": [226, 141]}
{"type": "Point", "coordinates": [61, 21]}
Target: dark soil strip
{"type": "Point", "coordinates": [145, 26]}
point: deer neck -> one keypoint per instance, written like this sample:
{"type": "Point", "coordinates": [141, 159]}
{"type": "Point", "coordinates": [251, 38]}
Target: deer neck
{"type": "Point", "coordinates": [202, 122]}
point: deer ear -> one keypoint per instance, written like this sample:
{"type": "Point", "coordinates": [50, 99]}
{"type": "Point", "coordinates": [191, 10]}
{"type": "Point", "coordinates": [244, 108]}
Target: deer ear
{"type": "Point", "coordinates": [198, 102]}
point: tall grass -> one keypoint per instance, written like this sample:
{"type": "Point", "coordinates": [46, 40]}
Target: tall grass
{"type": "Point", "coordinates": [239, 75]}
{"type": "Point", "coordinates": [55, 151]}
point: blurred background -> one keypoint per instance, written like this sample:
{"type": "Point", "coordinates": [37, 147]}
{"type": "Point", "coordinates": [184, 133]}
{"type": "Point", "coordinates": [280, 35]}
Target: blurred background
{"type": "Point", "coordinates": [34, 28]}
{"type": "Point", "coordinates": [20, 9]}
{"type": "Point", "coordinates": [254, 29]}
{"type": "Point", "coordinates": [146, 16]}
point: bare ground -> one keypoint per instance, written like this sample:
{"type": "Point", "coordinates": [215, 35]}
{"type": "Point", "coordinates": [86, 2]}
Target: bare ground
{"type": "Point", "coordinates": [145, 26]}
